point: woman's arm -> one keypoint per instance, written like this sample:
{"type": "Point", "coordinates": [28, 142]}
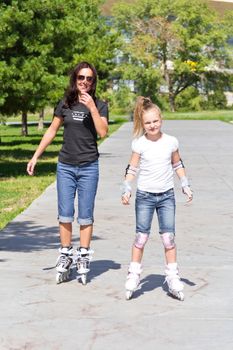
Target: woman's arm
{"type": "Point", "coordinates": [45, 141]}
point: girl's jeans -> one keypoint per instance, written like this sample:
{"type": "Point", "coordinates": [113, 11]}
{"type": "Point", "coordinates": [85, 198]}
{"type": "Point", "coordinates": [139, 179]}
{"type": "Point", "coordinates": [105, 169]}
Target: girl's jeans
{"type": "Point", "coordinates": [164, 204]}
{"type": "Point", "coordinates": [83, 180]}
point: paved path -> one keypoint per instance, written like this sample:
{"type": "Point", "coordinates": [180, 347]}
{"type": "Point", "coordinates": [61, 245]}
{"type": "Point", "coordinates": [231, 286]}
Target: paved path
{"type": "Point", "coordinates": [38, 314]}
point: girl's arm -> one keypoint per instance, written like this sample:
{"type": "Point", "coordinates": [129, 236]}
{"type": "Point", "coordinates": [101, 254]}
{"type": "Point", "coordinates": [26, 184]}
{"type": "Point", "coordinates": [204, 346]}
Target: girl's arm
{"type": "Point", "coordinates": [130, 174]}
{"type": "Point", "coordinates": [179, 168]}
{"type": "Point", "coordinates": [45, 141]}
{"type": "Point", "coordinates": [101, 123]}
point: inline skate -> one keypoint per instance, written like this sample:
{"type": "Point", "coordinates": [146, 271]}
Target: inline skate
{"type": "Point", "coordinates": [63, 264]}
{"type": "Point", "coordinates": [133, 279]}
{"type": "Point", "coordinates": [175, 286]}
{"type": "Point", "coordinates": [84, 257]}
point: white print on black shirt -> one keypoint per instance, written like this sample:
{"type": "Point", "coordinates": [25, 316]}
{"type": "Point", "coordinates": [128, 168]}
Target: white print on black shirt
{"type": "Point", "coordinates": [79, 116]}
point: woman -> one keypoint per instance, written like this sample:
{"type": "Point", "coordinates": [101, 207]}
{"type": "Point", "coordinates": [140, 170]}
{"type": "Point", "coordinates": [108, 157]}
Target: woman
{"type": "Point", "coordinates": [83, 116]}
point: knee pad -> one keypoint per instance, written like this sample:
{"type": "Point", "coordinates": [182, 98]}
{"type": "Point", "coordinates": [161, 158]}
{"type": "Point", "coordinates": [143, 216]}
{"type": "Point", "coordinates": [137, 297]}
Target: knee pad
{"type": "Point", "coordinates": [168, 239]}
{"type": "Point", "coordinates": [140, 240]}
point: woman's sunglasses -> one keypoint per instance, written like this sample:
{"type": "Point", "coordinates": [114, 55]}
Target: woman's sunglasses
{"type": "Point", "coordinates": [83, 77]}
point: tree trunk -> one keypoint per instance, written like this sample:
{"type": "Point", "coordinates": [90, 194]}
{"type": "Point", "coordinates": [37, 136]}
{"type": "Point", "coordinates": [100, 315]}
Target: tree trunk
{"type": "Point", "coordinates": [172, 102]}
{"type": "Point", "coordinates": [24, 130]}
{"type": "Point", "coordinates": [168, 80]}
{"type": "Point", "coordinates": [41, 120]}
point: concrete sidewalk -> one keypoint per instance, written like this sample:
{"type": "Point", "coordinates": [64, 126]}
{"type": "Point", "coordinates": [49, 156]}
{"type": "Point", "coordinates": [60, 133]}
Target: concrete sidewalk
{"type": "Point", "coordinates": [38, 314]}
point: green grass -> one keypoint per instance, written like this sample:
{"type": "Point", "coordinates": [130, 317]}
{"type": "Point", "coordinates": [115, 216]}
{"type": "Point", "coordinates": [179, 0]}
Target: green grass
{"type": "Point", "coordinates": [31, 117]}
{"type": "Point", "coordinates": [224, 115]}
{"type": "Point", "coordinates": [17, 189]}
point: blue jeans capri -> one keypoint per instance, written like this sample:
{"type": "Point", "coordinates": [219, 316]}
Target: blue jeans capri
{"type": "Point", "coordinates": [83, 180]}
{"type": "Point", "coordinates": [164, 204]}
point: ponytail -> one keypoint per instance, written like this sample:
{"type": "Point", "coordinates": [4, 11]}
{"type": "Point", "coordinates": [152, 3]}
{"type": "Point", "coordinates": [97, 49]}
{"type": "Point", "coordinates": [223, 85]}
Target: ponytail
{"type": "Point", "coordinates": [142, 104]}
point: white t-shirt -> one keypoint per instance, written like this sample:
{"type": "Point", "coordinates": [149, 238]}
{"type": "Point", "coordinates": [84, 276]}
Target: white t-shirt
{"type": "Point", "coordinates": [156, 172]}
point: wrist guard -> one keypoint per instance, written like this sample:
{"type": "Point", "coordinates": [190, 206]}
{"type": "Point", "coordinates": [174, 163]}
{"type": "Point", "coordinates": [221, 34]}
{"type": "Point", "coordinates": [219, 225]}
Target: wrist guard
{"type": "Point", "coordinates": [126, 188]}
{"type": "Point", "coordinates": [184, 181]}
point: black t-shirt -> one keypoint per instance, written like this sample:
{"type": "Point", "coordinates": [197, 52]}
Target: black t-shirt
{"type": "Point", "coordinates": [79, 138]}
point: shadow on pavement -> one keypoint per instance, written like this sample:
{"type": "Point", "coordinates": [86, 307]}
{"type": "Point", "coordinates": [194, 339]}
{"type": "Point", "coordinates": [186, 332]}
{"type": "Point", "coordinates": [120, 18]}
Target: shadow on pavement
{"type": "Point", "coordinates": [28, 237]}
{"type": "Point", "coordinates": [98, 267]}
{"type": "Point", "coordinates": [148, 284]}
{"type": "Point", "coordinates": [151, 282]}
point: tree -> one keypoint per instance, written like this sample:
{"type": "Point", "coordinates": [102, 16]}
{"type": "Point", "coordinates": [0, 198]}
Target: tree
{"type": "Point", "coordinates": [177, 39]}
{"type": "Point", "coordinates": [40, 40]}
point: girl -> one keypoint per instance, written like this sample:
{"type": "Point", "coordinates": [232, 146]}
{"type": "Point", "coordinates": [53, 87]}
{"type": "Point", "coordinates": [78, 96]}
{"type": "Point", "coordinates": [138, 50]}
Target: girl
{"type": "Point", "coordinates": [155, 156]}
{"type": "Point", "coordinates": [83, 117]}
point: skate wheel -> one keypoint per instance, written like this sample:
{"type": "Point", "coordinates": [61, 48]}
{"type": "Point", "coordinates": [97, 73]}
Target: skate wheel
{"type": "Point", "coordinates": [128, 294]}
{"type": "Point", "coordinates": [181, 296]}
{"type": "Point", "coordinates": [177, 295]}
{"type": "Point", "coordinates": [84, 279]}
{"type": "Point", "coordinates": [58, 278]}
{"type": "Point", "coordinates": [62, 276]}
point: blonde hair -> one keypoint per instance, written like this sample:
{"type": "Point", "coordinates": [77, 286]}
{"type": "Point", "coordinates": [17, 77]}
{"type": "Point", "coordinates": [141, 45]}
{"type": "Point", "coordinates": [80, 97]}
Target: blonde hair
{"type": "Point", "coordinates": [142, 105]}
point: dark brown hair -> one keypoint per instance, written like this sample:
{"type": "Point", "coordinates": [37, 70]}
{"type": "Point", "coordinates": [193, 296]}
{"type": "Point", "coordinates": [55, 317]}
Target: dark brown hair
{"type": "Point", "coordinates": [71, 95]}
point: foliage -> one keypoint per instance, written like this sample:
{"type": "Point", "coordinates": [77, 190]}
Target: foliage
{"type": "Point", "coordinates": [40, 40]}
{"type": "Point", "coordinates": [190, 100]}
{"type": "Point", "coordinates": [121, 100]}
{"type": "Point", "coordinates": [216, 100]}
{"type": "Point", "coordinates": [169, 42]}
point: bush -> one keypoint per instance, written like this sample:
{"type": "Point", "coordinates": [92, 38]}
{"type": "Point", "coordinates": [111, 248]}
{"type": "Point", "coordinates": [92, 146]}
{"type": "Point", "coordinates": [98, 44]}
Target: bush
{"type": "Point", "coordinates": [120, 101]}
{"type": "Point", "coordinates": [190, 100]}
{"type": "Point", "coordinates": [163, 103]}
{"type": "Point", "coordinates": [216, 100]}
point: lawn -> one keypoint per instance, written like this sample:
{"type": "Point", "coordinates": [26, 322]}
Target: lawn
{"type": "Point", "coordinates": [224, 115]}
{"type": "Point", "coordinates": [17, 189]}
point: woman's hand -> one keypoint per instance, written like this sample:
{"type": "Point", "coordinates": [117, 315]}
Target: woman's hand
{"type": "Point", "coordinates": [87, 100]}
{"type": "Point", "coordinates": [31, 166]}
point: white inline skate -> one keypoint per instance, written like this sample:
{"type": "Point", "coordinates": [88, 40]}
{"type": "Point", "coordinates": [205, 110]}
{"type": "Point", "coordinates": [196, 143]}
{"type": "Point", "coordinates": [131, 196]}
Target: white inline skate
{"type": "Point", "coordinates": [175, 286]}
{"type": "Point", "coordinates": [133, 279]}
{"type": "Point", "coordinates": [84, 257]}
{"type": "Point", "coordinates": [63, 264]}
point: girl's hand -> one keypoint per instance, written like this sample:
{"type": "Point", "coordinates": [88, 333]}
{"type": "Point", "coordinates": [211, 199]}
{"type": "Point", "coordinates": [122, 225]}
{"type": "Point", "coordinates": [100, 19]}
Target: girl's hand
{"type": "Point", "coordinates": [186, 188]}
{"type": "Point", "coordinates": [125, 198]}
{"type": "Point", "coordinates": [189, 193]}
{"type": "Point", "coordinates": [126, 192]}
